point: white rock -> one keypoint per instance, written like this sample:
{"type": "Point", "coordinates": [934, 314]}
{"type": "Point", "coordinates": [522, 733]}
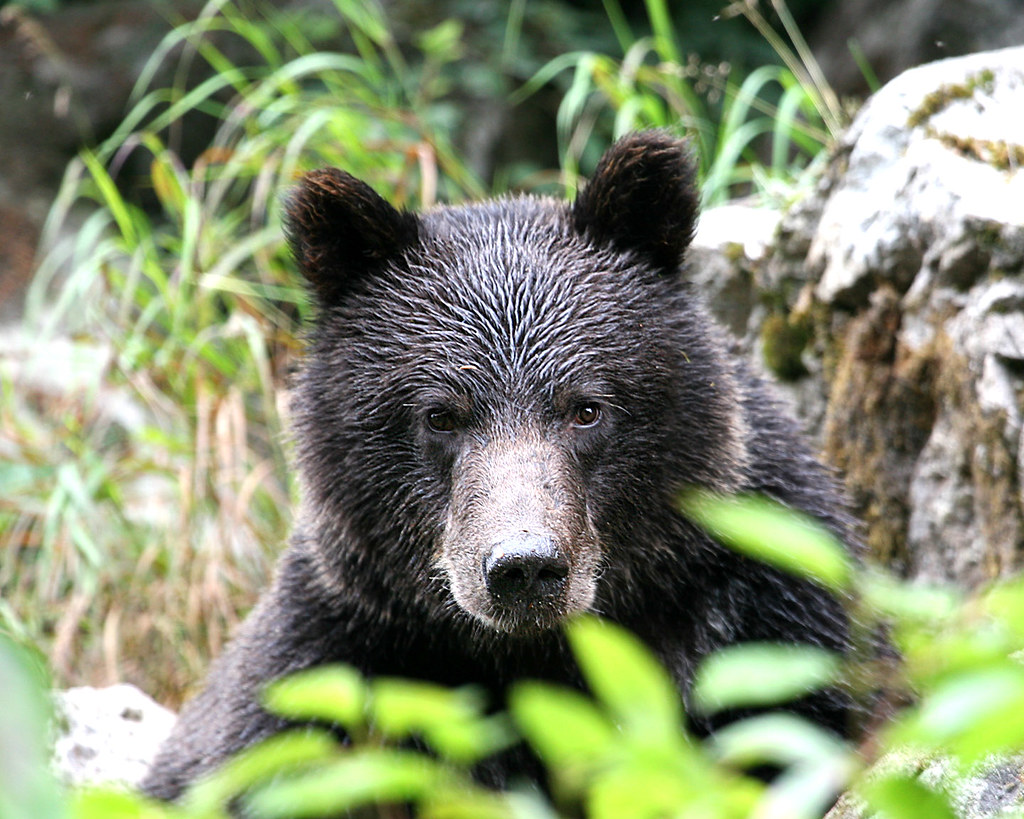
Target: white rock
{"type": "Point", "coordinates": [108, 734]}
{"type": "Point", "coordinates": [730, 243]}
{"type": "Point", "coordinates": [906, 182]}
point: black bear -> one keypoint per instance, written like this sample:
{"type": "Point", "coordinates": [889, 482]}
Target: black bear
{"type": "Point", "coordinates": [500, 406]}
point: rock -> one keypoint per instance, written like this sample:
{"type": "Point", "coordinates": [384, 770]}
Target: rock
{"type": "Point", "coordinates": [731, 244]}
{"type": "Point", "coordinates": [889, 305]}
{"type": "Point", "coordinates": [908, 258]}
{"type": "Point", "coordinates": [965, 494]}
{"type": "Point", "coordinates": [993, 788]}
{"type": "Point", "coordinates": [933, 150]}
{"type": "Point", "coordinates": [108, 734]}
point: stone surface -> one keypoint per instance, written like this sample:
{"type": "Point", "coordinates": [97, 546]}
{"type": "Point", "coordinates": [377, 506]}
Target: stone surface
{"type": "Point", "coordinates": [922, 165]}
{"type": "Point", "coordinates": [731, 244]}
{"type": "Point", "coordinates": [907, 260]}
{"type": "Point", "coordinates": [108, 734]}
{"type": "Point", "coordinates": [993, 788]}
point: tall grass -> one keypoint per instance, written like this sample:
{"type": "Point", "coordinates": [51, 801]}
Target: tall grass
{"type": "Point", "coordinates": [140, 511]}
{"type": "Point", "coordinates": [759, 134]}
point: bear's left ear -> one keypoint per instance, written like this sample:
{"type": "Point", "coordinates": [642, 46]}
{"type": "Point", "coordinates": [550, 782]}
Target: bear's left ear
{"type": "Point", "coordinates": [340, 228]}
{"type": "Point", "coordinates": [642, 197]}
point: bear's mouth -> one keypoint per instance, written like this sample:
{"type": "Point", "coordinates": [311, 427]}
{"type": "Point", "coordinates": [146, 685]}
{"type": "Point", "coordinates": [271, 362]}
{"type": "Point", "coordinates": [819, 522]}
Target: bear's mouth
{"type": "Point", "coordinates": [525, 620]}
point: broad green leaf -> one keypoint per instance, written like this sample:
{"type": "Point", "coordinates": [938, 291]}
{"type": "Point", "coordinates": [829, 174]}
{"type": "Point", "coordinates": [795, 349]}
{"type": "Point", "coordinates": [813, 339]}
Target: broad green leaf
{"type": "Point", "coordinates": [254, 766]}
{"type": "Point", "coordinates": [403, 706]}
{"type": "Point", "coordinates": [361, 778]}
{"type": "Point", "coordinates": [638, 793]}
{"type": "Point", "coordinates": [777, 738]}
{"type": "Point", "coordinates": [452, 721]}
{"type": "Point", "coordinates": [691, 790]}
{"type": "Point", "coordinates": [895, 599]}
{"type": "Point", "coordinates": [766, 530]}
{"type": "Point", "coordinates": [564, 727]}
{"type": "Point", "coordinates": [334, 693]}
{"type": "Point", "coordinates": [112, 803]}
{"type": "Point", "coordinates": [901, 797]}
{"type": "Point", "coordinates": [475, 803]}
{"type": "Point", "coordinates": [807, 790]}
{"type": "Point", "coordinates": [627, 680]}
{"type": "Point", "coordinates": [28, 788]}
{"type": "Point", "coordinates": [970, 716]}
{"type": "Point", "coordinates": [1005, 602]}
{"type": "Point", "coordinates": [760, 674]}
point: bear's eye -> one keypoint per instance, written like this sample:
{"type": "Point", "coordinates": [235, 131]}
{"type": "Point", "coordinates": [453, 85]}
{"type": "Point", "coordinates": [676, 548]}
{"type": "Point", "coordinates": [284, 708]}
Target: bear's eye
{"type": "Point", "coordinates": [586, 415]}
{"type": "Point", "coordinates": [440, 420]}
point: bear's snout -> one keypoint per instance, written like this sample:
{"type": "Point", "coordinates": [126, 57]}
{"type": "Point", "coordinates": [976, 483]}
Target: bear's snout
{"type": "Point", "coordinates": [525, 569]}
{"type": "Point", "coordinates": [518, 548]}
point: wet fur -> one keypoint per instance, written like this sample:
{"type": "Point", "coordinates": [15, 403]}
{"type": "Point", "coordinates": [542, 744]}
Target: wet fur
{"type": "Point", "coordinates": [507, 314]}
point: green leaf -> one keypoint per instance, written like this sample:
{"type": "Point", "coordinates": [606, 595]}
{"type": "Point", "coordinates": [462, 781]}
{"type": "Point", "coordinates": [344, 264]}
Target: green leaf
{"type": "Point", "coordinates": [777, 738]}
{"type": "Point", "coordinates": [637, 792]}
{"type": "Point", "coordinates": [970, 716]}
{"type": "Point", "coordinates": [452, 721]}
{"type": "Point", "coordinates": [564, 727]}
{"type": "Point", "coordinates": [766, 530]}
{"type": "Point", "coordinates": [1005, 602]}
{"type": "Point", "coordinates": [28, 788]}
{"type": "Point", "coordinates": [761, 674]}
{"type": "Point", "coordinates": [628, 680]}
{"type": "Point", "coordinates": [468, 802]}
{"type": "Point", "coordinates": [111, 803]}
{"type": "Point", "coordinates": [365, 777]}
{"type": "Point", "coordinates": [808, 790]}
{"type": "Point", "coordinates": [897, 600]}
{"type": "Point", "coordinates": [254, 766]}
{"type": "Point", "coordinates": [901, 797]}
{"type": "Point", "coordinates": [333, 693]}
{"type": "Point", "coordinates": [692, 788]}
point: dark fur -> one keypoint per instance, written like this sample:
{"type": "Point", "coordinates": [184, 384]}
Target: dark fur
{"type": "Point", "coordinates": [504, 319]}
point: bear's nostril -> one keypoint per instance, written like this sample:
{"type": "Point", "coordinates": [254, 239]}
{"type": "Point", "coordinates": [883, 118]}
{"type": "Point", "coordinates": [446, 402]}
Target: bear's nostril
{"type": "Point", "coordinates": [525, 568]}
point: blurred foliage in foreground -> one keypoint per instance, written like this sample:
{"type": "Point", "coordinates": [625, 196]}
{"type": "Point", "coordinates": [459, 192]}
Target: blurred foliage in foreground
{"type": "Point", "coordinates": [623, 751]}
{"type": "Point", "coordinates": [143, 480]}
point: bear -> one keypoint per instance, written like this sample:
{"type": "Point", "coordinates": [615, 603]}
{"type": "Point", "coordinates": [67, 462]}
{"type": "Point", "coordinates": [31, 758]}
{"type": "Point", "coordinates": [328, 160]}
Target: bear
{"type": "Point", "coordinates": [499, 407]}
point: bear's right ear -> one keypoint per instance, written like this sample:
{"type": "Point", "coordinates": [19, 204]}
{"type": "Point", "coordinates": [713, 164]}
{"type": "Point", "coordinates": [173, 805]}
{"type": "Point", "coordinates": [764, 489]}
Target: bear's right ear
{"type": "Point", "coordinates": [340, 228]}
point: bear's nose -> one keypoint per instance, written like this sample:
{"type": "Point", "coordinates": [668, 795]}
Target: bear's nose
{"type": "Point", "coordinates": [525, 568]}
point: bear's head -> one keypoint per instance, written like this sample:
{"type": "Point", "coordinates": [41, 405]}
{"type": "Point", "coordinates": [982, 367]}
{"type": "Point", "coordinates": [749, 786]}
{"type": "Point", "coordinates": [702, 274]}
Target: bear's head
{"type": "Point", "coordinates": [502, 401]}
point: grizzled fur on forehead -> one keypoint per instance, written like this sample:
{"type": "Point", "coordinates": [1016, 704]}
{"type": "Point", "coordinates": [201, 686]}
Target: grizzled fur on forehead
{"type": "Point", "coordinates": [507, 299]}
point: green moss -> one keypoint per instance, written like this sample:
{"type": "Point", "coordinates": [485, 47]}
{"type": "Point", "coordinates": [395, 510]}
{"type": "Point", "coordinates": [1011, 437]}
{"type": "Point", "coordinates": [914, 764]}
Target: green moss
{"type": "Point", "coordinates": [940, 99]}
{"type": "Point", "coordinates": [880, 414]}
{"type": "Point", "coordinates": [998, 153]}
{"type": "Point", "coordinates": [734, 252]}
{"type": "Point", "coordinates": [783, 339]}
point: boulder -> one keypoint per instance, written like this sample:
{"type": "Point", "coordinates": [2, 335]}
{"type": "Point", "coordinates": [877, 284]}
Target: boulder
{"type": "Point", "coordinates": [891, 304]}
{"type": "Point", "coordinates": [108, 735]}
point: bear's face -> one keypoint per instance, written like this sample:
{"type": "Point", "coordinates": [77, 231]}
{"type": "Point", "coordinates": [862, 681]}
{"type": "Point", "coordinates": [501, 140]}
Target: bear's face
{"type": "Point", "coordinates": [502, 399]}
{"type": "Point", "coordinates": [513, 388]}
